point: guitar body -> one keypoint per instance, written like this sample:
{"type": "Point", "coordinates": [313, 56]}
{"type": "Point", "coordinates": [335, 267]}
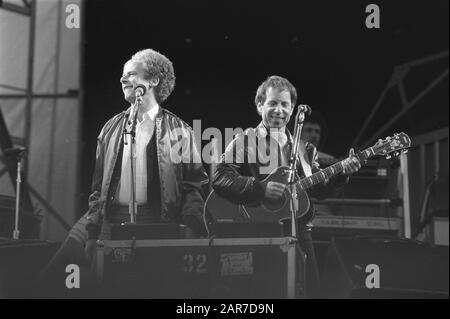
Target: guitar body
{"type": "Point", "coordinates": [222, 210]}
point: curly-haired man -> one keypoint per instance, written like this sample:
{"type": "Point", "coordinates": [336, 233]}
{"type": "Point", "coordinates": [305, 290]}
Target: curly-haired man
{"type": "Point", "coordinates": [167, 190]}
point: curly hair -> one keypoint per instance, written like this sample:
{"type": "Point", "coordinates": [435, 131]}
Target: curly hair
{"type": "Point", "coordinates": [275, 82]}
{"type": "Point", "coordinates": [157, 66]}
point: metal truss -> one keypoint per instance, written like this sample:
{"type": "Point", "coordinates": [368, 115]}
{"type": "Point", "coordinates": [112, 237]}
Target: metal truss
{"type": "Point", "coordinates": [28, 9]}
{"type": "Point", "coordinates": [397, 81]}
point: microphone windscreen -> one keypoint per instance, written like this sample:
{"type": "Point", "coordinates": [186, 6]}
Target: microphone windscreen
{"type": "Point", "coordinates": [140, 89]}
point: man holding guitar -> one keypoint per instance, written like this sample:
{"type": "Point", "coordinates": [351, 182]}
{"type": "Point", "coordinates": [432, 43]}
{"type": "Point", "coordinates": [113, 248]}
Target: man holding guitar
{"type": "Point", "coordinates": [242, 175]}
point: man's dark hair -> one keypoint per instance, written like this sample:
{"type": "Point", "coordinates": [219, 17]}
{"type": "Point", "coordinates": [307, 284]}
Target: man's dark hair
{"type": "Point", "coordinates": [317, 118]}
{"type": "Point", "coordinates": [275, 82]}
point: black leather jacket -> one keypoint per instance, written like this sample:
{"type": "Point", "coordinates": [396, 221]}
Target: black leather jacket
{"type": "Point", "coordinates": [238, 179]}
{"type": "Point", "coordinates": [182, 182]}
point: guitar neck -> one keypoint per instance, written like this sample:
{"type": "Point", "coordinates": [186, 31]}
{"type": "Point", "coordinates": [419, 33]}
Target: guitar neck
{"type": "Point", "coordinates": [333, 170]}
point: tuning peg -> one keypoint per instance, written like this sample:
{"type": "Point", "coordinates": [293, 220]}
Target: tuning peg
{"type": "Point", "coordinates": [396, 153]}
{"type": "Point", "coordinates": [388, 156]}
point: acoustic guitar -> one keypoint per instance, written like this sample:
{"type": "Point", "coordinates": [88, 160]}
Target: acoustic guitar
{"type": "Point", "coordinates": [264, 210]}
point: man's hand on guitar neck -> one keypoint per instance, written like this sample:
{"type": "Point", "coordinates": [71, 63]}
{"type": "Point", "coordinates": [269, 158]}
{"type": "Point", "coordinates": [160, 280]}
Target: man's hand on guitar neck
{"type": "Point", "coordinates": [351, 164]}
{"type": "Point", "coordinates": [274, 190]}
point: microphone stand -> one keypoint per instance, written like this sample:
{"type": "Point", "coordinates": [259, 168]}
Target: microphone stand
{"type": "Point", "coordinates": [18, 153]}
{"type": "Point", "coordinates": [299, 118]}
{"type": "Point", "coordinates": [132, 206]}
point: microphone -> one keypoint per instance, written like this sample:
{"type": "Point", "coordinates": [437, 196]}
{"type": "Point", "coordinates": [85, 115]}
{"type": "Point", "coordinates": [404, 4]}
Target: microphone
{"type": "Point", "coordinates": [304, 108]}
{"type": "Point", "coordinates": [140, 90]}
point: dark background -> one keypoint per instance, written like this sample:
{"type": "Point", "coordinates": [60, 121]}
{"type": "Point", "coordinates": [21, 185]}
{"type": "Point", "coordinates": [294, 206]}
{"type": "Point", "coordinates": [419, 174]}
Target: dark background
{"type": "Point", "coordinates": [223, 50]}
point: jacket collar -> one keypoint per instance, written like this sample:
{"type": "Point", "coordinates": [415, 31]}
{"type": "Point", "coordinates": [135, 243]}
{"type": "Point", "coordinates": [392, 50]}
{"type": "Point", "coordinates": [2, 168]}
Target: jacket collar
{"type": "Point", "coordinates": [263, 131]}
{"type": "Point", "coordinates": [160, 113]}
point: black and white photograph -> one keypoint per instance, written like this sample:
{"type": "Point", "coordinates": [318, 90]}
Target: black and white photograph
{"type": "Point", "coordinates": [224, 155]}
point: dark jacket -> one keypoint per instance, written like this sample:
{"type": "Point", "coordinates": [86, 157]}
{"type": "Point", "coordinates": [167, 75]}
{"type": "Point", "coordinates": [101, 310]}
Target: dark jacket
{"type": "Point", "coordinates": [238, 178]}
{"type": "Point", "coordinates": [181, 173]}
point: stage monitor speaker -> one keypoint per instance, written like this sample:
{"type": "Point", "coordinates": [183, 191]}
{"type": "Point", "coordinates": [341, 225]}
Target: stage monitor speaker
{"type": "Point", "coordinates": [385, 268]}
{"type": "Point", "coordinates": [21, 261]}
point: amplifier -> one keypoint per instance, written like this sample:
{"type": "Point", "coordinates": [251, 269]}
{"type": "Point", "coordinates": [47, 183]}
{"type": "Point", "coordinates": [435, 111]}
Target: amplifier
{"type": "Point", "coordinates": [355, 222]}
{"type": "Point", "coordinates": [382, 207]}
{"type": "Point", "coordinates": [326, 227]}
{"type": "Point", "coordinates": [200, 268]}
{"type": "Point", "coordinates": [376, 179]}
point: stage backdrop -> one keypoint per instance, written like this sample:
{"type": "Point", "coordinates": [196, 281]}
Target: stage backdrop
{"type": "Point", "coordinates": [54, 139]}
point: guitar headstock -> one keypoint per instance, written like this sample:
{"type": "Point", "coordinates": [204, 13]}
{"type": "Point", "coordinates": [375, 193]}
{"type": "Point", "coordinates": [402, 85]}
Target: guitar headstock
{"type": "Point", "coordinates": [392, 145]}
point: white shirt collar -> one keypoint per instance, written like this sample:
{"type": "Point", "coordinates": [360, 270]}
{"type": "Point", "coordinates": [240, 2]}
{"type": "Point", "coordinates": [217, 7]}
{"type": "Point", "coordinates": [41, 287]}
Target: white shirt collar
{"type": "Point", "coordinates": [151, 114]}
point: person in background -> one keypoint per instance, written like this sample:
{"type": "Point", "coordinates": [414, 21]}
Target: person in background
{"type": "Point", "coordinates": [315, 132]}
